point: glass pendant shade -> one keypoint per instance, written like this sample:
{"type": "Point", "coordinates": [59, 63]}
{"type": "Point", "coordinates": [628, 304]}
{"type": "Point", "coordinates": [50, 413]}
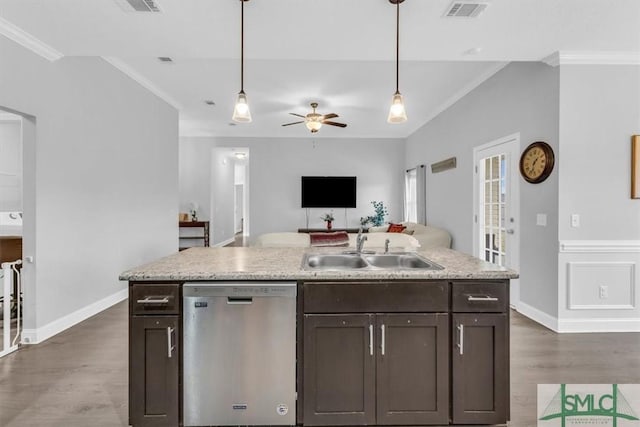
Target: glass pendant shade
{"type": "Point", "coordinates": [241, 112]}
{"type": "Point", "coordinates": [397, 113]}
{"type": "Point", "coordinates": [313, 125]}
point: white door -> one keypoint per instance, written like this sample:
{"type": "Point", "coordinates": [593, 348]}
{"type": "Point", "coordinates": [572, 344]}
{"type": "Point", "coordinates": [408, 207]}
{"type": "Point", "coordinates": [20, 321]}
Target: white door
{"type": "Point", "coordinates": [497, 206]}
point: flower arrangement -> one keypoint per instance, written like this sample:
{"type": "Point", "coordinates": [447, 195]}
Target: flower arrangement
{"type": "Point", "coordinates": [378, 218]}
{"type": "Point", "coordinates": [327, 217]}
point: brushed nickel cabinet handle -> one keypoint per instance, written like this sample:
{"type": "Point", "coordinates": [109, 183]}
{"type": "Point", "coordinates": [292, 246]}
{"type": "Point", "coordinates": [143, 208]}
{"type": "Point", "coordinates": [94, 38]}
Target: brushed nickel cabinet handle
{"type": "Point", "coordinates": [152, 300]}
{"type": "Point", "coordinates": [170, 346]}
{"type": "Point", "coordinates": [461, 339]}
{"type": "Point", "coordinates": [370, 340]}
{"type": "Point", "coordinates": [382, 342]}
{"type": "Point", "coordinates": [482, 298]}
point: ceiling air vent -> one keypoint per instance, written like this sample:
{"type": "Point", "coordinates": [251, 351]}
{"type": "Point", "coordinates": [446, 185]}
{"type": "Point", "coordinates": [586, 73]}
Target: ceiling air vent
{"type": "Point", "coordinates": [138, 5]}
{"type": "Point", "coordinates": [465, 9]}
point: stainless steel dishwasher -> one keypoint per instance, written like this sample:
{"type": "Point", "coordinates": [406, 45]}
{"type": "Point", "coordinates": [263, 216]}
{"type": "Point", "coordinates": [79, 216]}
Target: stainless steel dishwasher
{"type": "Point", "coordinates": [239, 353]}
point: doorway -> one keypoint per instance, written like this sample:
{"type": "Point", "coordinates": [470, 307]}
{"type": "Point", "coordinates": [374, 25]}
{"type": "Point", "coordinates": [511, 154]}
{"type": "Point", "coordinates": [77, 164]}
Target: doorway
{"type": "Point", "coordinates": [497, 206]}
{"type": "Point", "coordinates": [11, 231]}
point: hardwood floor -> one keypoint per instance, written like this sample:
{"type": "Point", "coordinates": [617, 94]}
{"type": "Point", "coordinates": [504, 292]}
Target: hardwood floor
{"type": "Point", "coordinates": [238, 241]}
{"type": "Point", "coordinates": [79, 377]}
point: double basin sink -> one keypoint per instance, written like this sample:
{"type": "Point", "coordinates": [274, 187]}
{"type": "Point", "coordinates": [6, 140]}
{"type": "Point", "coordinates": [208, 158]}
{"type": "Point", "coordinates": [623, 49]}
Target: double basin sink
{"type": "Point", "coordinates": [368, 261]}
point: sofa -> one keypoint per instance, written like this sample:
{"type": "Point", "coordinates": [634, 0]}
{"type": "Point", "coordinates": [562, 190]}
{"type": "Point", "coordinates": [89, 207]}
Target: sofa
{"type": "Point", "coordinates": [415, 236]}
{"type": "Point", "coordinates": [426, 235]}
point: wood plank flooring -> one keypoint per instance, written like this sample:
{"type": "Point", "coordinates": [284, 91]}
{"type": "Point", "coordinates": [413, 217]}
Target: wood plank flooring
{"type": "Point", "coordinates": [79, 378]}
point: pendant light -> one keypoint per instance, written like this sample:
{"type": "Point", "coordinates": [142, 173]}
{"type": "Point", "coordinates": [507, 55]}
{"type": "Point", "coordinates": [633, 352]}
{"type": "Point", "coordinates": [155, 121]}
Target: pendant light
{"type": "Point", "coordinates": [397, 113]}
{"type": "Point", "coordinates": [241, 112]}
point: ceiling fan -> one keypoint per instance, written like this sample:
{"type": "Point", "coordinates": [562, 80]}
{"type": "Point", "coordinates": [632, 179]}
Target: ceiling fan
{"type": "Point", "coordinates": [314, 121]}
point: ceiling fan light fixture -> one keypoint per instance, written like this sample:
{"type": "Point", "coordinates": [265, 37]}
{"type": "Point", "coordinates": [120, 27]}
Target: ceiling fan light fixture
{"type": "Point", "coordinates": [241, 112]}
{"type": "Point", "coordinates": [397, 113]}
{"type": "Point", "coordinates": [313, 125]}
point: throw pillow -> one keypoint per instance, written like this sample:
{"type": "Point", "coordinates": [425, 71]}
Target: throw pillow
{"type": "Point", "coordinates": [337, 238]}
{"type": "Point", "coordinates": [395, 228]}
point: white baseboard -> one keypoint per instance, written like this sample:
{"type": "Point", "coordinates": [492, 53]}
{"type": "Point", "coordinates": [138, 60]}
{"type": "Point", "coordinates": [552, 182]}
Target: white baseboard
{"type": "Point", "coordinates": [583, 325]}
{"type": "Point", "coordinates": [39, 335]}
{"type": "Point", "coordinates": [224, 243]}
{"type": "Point", "coordinates": [545, 319]}
{"type": "Point", "coordinates": [598, 325]}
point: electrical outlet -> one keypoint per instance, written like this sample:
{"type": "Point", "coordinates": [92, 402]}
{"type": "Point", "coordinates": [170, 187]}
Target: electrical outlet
{"type": "Point", "coordinates": [604, 292]}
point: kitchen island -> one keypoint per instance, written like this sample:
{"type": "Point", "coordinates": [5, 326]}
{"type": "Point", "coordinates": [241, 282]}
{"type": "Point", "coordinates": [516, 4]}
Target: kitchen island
{"type": "Point", "coordinates": [373, 346]}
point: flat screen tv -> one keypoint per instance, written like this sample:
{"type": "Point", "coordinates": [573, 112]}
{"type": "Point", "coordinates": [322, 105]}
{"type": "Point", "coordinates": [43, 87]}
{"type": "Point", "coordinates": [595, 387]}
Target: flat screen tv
{"type": "Point", "coordinates": [328, 191]}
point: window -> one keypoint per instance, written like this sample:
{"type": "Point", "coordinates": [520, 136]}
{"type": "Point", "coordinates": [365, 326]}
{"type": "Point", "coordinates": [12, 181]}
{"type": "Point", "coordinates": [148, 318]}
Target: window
{"type": "Point", "coordinates": [410, 196]}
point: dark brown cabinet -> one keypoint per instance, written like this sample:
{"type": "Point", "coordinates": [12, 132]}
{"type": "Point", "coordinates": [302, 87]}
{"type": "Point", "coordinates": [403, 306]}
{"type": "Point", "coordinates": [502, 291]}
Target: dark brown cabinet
{"type": "Point", "coordinates": [154, 356]}
{"type": "Point", "coordinates": [339, 370]}
{"type": "Point", "coordinates": [385, 367]}
{"type": "Point", "coordinates": [412, 369]}
{"type": "Point", "coordinates": [480, 354]}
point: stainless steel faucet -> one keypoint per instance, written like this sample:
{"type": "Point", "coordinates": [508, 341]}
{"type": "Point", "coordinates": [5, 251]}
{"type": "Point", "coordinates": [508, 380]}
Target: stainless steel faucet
{"type": "Point", "coordinates": [360, 241]}
{"type": "Point", "coordinates": [386, 245]}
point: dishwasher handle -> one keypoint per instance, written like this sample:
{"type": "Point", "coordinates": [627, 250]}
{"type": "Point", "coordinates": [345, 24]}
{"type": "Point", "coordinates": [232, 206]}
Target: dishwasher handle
{"type": "Point", "coordinates": [239, 300]}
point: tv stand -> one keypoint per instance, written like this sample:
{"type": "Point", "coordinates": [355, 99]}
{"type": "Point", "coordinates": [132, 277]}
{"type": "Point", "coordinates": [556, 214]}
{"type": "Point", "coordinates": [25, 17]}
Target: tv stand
{"type": "Point", "coordinates": [324, 230]}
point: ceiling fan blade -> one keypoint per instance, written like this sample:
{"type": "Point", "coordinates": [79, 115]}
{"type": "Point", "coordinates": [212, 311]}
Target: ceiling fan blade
{"type": "Point", "coordinates": [294, 123]}
{"type": "Point", "coordinates": [297, 115]}
{"type": "Point", "coordinates": [329, 116]}
{"type": "Point", "coordinates": [342, 125]}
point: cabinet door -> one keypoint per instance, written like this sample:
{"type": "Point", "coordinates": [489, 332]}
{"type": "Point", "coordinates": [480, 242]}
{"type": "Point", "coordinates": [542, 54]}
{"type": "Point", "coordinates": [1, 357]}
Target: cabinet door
{"type": "Point", "coordinates": [339, 370]}
{"type": "Point", "coordinates": [412, 365]}
{"type": "Point", "coordinates": [480, 367]}
{"type": "Point", "coordinates": [154, 393]}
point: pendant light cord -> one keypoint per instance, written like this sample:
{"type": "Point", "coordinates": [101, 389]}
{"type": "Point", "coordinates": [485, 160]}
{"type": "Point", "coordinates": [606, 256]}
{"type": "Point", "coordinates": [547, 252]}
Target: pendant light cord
{"type": "Point", "coordinates": [398, 47]}
{"type": "Point", "coordinates": [242, 47]}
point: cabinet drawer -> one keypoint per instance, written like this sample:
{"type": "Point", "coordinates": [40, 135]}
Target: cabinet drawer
{"type": "Point", "coordinates": [155, 299]}
{"type": "Point", "coordinates": [480, 297]}
{"type": "Point", "coordinates": [407, 297]}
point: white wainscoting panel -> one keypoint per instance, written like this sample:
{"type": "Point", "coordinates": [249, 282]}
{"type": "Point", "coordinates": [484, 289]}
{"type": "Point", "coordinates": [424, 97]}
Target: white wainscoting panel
{"type": "Point", "coordinates": [601, 285]}
{"type": "Point", "coordinates": [584, 266]}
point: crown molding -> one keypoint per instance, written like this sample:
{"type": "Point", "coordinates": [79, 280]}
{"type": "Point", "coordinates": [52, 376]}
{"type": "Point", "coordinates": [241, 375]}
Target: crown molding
{"type": "Point", "coordinates": [592, 58]}
{"type": "Point", "coordinates": [142, 81]}
{"type": "Point", "coordinates": [464, 91]}
{"type": "Point", "coordinates": [28, 41]}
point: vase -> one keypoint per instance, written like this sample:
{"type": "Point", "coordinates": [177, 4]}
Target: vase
{"type": "Point", "coordinates": [328, 225]}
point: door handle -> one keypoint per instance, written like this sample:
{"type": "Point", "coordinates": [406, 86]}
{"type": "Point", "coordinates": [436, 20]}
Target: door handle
{"type": "Point", "coordinates": [152, 300]}
{"type": "Point", "coordinates": [170, 346]}
{"type": "Point", "coordinates": [370, 340]}
{"type": "Point", "coordinates": [482, 298]}
{"type": "Point", "coordinates": [382, 341]}
{"type": "Point", "coordinates": [461, 339]}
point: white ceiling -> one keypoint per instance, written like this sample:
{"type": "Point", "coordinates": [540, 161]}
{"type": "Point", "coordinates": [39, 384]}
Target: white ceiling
{"type": "Point", "coordinates": [337, 52]}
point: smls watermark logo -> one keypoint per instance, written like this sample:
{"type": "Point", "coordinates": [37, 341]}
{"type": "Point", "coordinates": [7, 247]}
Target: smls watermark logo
{"type": "Point", "coordinates": [564, 405]}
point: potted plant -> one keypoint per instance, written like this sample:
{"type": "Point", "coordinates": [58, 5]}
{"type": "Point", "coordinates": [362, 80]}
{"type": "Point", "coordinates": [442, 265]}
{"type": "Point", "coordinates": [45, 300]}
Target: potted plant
{"type": "Point", "coordinates": [328, 218]}
{"type": "Point", "coordinates": [378, 218]}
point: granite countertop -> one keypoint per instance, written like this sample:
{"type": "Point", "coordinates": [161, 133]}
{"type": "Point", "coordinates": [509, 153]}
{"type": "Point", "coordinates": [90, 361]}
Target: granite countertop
{"type": "Point", "coordinates": [249, 263]}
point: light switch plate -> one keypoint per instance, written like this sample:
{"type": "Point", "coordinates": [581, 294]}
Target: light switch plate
{"type": "Point", "coordinates": [541, 219]}
{"type": "Point", "coordinates": [575, 220]}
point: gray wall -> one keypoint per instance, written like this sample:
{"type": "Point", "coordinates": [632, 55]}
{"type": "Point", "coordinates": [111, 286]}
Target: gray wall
{"type": "Point", "coordinates": [599, 111]}
{"type": "Point", "coordinates": [523, 97]}
{"type": "Point", "coordinates": [274, 169]}
{"type": "Point", "coordinates": [101, 179]}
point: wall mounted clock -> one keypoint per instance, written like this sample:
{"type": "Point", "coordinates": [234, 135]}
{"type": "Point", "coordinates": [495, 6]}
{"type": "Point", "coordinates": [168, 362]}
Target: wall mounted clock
{"type": "Point", "coordinates": [536, 162]}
